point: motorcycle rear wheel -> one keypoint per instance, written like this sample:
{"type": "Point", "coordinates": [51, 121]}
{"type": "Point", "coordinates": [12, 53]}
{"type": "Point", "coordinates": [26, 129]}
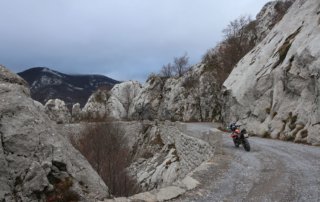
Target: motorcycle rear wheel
{"type": "Point", "coordinates": [246, 145]}
{"type": "Point", "coordinates": [235, 143]}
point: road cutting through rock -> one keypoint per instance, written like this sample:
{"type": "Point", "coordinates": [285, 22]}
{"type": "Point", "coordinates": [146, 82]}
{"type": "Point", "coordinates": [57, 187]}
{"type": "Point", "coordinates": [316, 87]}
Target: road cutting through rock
{"type": "Point", "coordinates": [272, 171]}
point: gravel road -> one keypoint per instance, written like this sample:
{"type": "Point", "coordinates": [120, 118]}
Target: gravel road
{"type": "Point", "coordinates": [273, 170]}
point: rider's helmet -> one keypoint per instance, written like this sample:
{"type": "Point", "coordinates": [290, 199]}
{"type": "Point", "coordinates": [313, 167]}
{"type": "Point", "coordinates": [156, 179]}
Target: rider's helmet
{"type": "Point", "coordinates": [233, 127]}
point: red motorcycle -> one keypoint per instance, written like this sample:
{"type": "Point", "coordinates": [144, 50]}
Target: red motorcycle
{"type": "Point", "coordinates": [239, 137]}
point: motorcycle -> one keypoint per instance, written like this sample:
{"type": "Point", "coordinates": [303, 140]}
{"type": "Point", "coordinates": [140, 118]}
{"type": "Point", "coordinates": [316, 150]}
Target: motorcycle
{"type": "Point", "coordinates": [239, 137]}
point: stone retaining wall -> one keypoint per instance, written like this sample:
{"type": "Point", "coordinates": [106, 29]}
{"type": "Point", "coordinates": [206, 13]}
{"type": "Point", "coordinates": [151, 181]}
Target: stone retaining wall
{"type": "Point", "coordinates": [191, 151]}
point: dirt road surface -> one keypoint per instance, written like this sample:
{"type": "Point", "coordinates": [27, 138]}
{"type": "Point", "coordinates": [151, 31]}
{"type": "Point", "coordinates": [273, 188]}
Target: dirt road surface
{"type": "Point", "coordinates": [273, 170]}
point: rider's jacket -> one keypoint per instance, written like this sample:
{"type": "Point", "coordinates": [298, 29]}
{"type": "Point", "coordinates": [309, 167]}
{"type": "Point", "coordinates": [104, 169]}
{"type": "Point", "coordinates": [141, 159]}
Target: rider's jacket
{"type": "Point", "coordinates": [235, 133]}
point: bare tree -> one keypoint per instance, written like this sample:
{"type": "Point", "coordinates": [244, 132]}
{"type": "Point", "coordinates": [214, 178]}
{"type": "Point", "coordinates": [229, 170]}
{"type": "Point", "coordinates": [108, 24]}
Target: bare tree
{"type": "Point", "coordinates": [213, 82]}
{"type": "Point", "coordinates": [237, 42]}
{"type": "Point", "coordinates": [181, 64]}
{"type": "Point", "coordinates": [166, 70]}
{"type": "Point", "coordinates": [281, 7]}
{"type": "Point", "coordinates": [197, 92]}
{"type": "Point", "coordinates": [129, 93]}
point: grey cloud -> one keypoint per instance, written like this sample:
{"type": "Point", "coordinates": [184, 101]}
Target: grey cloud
{"type": "Point", "coordinates": [120, 39]}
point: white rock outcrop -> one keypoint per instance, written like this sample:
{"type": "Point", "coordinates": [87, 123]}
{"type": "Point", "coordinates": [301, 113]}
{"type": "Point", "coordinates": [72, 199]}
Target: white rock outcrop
{"type": "Point", "coordinates": [275, 87]}
{"type": "Point", "coordinates": [76, 113]}
{"type": "Point", "coordinates": [173, 98]}
{"type": "Point", "coordinates": [33, 155]}
{"type": "Point", "coordinates": [122, 98]}
{"type": "Point", "coordinates": [114, 103]}
{"type": "Point", "coordinates": [57, 111]}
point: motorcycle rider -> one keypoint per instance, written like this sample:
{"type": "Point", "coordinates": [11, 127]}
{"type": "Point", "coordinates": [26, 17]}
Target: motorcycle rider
{"type": "Point", "coordinates": [235, 132]}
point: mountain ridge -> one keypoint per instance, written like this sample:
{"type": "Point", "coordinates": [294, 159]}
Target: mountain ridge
{"type": "Point", "coordinates": [46, 84]}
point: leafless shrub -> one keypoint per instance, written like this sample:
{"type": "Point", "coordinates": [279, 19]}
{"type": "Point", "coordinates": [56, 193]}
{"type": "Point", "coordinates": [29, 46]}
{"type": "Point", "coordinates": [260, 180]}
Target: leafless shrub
{"type": "Point", "coordinates": [237, 41]}
{"type": "Point", "coordinates": [190, 81]}
{"type": "Point", "coordinates": [268, 110]}
{"type": "Point", "coordinates": [129, 93]}
{"type": "Point", "coordinates": [208, 56]}
{"type": "Point", "coordinates": [62, 192]}
{"type": "Point", "coordinates": [281, 7]}
{"type": "Point", "coordinates": [105, 147]}
{"type": "Point", "coordinates": [181, 64]}
{"type": "Point", "coordinates": [304, 133]}
{"type": "Point", "coordinates": [273, 115]}
{"type": "Point", "coordinates": [166, 70]}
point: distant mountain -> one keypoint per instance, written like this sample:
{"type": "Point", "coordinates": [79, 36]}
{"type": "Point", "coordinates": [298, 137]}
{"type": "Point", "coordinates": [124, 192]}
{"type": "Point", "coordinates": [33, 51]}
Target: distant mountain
{"type": "Point", "coordinates": [48, 84]}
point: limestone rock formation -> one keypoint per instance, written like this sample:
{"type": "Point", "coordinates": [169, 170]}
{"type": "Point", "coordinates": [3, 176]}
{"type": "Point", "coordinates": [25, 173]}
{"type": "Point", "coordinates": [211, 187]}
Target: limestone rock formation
{"type": "Point", "coordinates": [57, 111]}
{"type": "Point", "coordinates": [275, 87]}
{"type": "Point", "coordinates": [96, 105]}
{"type": "Point", "coordinates": [33, 155]}
{"type": "Point", "coordinates": [76, 113]}
{"type": "Point", "coordinates": [176, 98]}
{"type": "Point", "coordinates": [122, 98]}
{"type": "Point", "coordinates": [115, 103]}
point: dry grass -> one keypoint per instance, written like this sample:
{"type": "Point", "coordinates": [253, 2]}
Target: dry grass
{"type": "Point", "coordinates": [274, 114]}
{"type": "Point", "coordinates": [282, 129]}
{"type": "Point", "coordinates": [302, 142]}
{"type": "Point", "coordinates": [175, 154]}
{"type": "Point", "coordinates": [157, 140]}
{"type": "Point", "coordinates": [168, 162]}
{"type": "Point", "coordinates": [297, 130]}
{"type": "Point", "coordinates": [283, 50]}
{"type": "Point", "coordinates": [146, 155]}
{"type": "Point", "coordinates": [288, 67]}
{"type": "Point", "coordinates": [292, 126]}
{"type": "Point", "coordinates": [62, 192]}
{"type": "Point", "coordinates": [268, 110]}
{"type": "Point", "coordinates": [293, 119]}
{"type": "Point", "coordinates": [279, 19]}
{"type": "Point", "coordinates": [266, 135]}
{"type": "Point", "coordinates": [304, 133]}
{"type": "Point", "coordinates": [290, 138]}
{"type": "Point", "coordinates": [171, 146]}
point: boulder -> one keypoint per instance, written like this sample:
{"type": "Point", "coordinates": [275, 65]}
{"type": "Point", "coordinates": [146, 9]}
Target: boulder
{"type": "Point", "coordinates": [114, 103]}
{"type": "Point", "coordinates": [32, 152]}
{"type": "Point", "coordinates": [122, 98]}
{"type": "Point", "coordinates": [57, 111]}
{"type": "Point", "coordinates": [76, 113]}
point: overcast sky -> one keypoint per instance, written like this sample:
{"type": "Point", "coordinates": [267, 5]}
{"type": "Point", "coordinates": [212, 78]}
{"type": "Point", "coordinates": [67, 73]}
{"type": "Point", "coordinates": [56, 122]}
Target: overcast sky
{"type": "Point", "coordinates": [120, 39]}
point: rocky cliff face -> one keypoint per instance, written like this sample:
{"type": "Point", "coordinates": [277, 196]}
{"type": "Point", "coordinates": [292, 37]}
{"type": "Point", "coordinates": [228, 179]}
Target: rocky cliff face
{"type": "Point", "coordinates": [186, 98]}
{"type": "Point", "coordinates": [33, 155]}
{"type": "Point", "coordinates": [275, 87]}
{"type": "Point", "coordinates": [177, 98]}
{"type": "Point", "coordinates": [191, 97]}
